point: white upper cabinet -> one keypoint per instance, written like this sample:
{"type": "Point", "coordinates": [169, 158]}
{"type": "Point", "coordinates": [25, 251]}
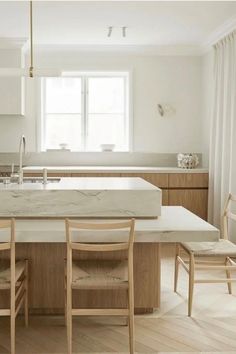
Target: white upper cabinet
{"type": "Point", "coordinates": [12, 89]}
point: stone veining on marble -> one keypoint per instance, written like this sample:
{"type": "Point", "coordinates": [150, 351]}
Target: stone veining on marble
{"type": "Point", "coordinates": [131, 197]}
{"type": "Point", "coordinates": [176, 224]}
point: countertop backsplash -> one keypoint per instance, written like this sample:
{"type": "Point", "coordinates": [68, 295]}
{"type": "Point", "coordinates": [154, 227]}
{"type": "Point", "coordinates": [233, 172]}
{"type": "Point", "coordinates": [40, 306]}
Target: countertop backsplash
{"type": "Point", "coordinates": [63, 158]}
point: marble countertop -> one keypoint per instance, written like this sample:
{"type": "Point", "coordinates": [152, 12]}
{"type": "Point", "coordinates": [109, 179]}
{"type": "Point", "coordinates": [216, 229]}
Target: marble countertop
{"type": "Point", "coordinates": [85, 184]}
{"type": "Point", "coordinates": [112, 169]}
{"type": "Point", "coordinates": [92, 197]}
{"type": "Point", "coordinates": [176, 224]}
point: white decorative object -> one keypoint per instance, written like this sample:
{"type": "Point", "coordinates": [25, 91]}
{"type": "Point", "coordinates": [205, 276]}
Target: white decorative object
{"type": "Point", "coordinates": [107, 147]}
{"type": "Point", "coordinates": [187, 160]}
{"type": "Point", "coordinates": [63, 146]}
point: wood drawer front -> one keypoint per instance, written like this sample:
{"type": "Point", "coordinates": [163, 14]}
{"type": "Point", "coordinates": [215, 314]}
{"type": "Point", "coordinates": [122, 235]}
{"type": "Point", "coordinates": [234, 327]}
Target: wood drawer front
{"type": "Point", "coordinates": [59, 174]}
{"type": "Point", "coordinates": [195, 200]}
{"type": "Point", "coordinates": [91, 174]}
{"type": "Point", "coordinates": [31, 174]}
{"type": "Point", "coordinates": [188, 180]}
{"type": "Point", "coordinates": [158, 179]}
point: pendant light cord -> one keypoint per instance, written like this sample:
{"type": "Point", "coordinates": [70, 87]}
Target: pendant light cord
{"type": "Point", "coordinates": [31, 69]}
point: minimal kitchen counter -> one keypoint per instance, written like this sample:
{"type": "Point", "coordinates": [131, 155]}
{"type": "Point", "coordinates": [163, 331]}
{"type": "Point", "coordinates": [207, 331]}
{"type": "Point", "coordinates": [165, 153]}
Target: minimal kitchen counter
{"type": "Point", "coordinates": [176, 224]}
{"type": "Point", "coordinates": [43, 243]}
{"type": "Point", "coordinates": [82, 197]}
{"type": "Point", "coordinates": [111, 169]}
{"type": "Point", "coordinates": [83, 183]}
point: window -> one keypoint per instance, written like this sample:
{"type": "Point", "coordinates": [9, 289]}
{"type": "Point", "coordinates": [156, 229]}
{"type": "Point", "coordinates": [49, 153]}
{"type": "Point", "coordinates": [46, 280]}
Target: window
{"type": "Point", "coordinates": [82, 113]}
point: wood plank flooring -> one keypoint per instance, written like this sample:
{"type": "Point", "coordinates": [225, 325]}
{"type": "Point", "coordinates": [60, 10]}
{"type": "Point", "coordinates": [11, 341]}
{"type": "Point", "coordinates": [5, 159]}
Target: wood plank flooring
{"type": "Point", "coordinates": [212, 328]}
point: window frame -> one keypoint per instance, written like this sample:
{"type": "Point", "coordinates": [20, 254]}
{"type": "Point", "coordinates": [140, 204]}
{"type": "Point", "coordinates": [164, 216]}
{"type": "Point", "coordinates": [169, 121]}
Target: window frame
{"type": "Point", "coordinates": [85, 76]}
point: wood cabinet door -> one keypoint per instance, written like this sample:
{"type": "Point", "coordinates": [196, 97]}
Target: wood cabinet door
{"type": "Point", "coordinates": [95, 174]}
{"type": "Point", "coordinates": [59, 174]}
{"type": "Point", "coordinates": [188, 180]}
{"type": "Point", "coordinates": [194, 200]}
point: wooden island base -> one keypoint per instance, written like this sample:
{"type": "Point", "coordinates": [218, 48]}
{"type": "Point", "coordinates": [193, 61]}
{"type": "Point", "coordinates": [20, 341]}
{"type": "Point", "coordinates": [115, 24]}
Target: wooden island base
{"type": "Point", "coordinates": [46, 279]}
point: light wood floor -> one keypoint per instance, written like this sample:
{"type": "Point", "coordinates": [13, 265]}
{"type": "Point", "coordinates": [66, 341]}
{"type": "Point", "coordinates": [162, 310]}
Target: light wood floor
{"type": "Point", "coordinates": [212, 329]}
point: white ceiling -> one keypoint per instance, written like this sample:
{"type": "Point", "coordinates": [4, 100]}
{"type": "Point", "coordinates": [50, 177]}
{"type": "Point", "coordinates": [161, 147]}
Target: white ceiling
{"type": "Point", "coordinates": [150, 23]}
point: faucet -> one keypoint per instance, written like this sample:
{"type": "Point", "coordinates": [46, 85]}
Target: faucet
{"type": "Point", "coordinates": [21, 151]}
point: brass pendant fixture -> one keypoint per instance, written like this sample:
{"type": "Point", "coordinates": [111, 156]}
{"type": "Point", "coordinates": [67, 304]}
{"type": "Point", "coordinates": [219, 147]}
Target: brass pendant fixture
{"type": "Point", "coordinates": [31, 71]}
{"type": "Point", "coordinates": [31, 68]}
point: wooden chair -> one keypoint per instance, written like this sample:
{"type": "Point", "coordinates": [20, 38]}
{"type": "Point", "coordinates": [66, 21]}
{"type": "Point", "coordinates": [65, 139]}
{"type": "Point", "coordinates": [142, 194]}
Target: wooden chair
{"type": "Point", "coordinates": [219, 257]}
{"type": "Point", "coordinates": [102, 274]}
{"type": "Point", "coordinates": [14, 279]}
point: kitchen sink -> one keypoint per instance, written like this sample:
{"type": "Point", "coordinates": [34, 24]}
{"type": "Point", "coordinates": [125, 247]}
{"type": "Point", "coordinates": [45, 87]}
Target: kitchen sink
{"type": "Point", "coordinates": [40, 180]}
{"type": "Point", "coordinates": [6, 180]}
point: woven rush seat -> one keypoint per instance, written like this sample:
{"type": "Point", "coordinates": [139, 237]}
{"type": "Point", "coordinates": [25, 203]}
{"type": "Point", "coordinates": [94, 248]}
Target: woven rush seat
{"type": "Point", "coordinates": [100, 274]}
{"type": "Point", "coordinates": [221, 248]}
{"type": "Point", "coordinates": [220, 255]}
{"type": "Point", "coordinates": [5, 275]}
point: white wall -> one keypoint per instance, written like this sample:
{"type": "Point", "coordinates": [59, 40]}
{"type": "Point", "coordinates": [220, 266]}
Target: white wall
{"type": "Point", "coordinates": [156, 79]}
{"type": "Point", "coordinates": [207, 97]}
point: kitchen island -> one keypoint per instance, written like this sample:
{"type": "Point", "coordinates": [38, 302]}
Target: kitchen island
{"type": "Point", "coordinates": [42, 242]}
{"type": "Point", "coordinates": [81, 197]}
{"type": "Point", "coordinates": [185, 187]}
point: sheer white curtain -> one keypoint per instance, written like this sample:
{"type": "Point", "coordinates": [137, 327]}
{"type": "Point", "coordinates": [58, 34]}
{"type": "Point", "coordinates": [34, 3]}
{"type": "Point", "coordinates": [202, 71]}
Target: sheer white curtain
{"type": "Point", "coordinates": [222, 161]}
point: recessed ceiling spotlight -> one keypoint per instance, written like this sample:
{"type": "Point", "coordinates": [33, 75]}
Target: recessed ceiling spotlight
{"type": "Point", "coordinates": [124, 28]}
{"type": "Point", "coordinates": [123, 31]}
{"type": "Point", "coordinates": [110, 28]}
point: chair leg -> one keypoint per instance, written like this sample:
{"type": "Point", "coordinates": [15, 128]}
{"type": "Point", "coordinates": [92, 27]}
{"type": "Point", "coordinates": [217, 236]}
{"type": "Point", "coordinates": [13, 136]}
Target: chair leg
{"type": "Point", "coordinates": [69, 332]}
{"type": "Point", "coordinates": [26, 293]}
{"type": "Point", "coordinates": [13, 333]}
{"type": "Point", "coordinates": [65, 303]}
{"type": "Point", "coordinates": [127, 318]}
{"type": "Point", "coordinates": [191, 284]}
{"type": "Point", "coordinates": [228, 276]}
{"type": "Point", "coordinates": [177, 252]}
{"type": "Point", "coordinates": [131, 321]}
{"type": "Point", "coordinates": [65, 292]}
{"type": "Point", "coordinates": [69, 320]}
{"type": "Point", "coordinates": [13, 323]}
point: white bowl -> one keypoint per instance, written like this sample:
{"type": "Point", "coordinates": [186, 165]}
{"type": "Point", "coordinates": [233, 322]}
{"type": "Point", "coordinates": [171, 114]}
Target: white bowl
{"type": "Point", "coordinates": [63, 146]}
{"type": "Point", "coordinates": [107, 147]}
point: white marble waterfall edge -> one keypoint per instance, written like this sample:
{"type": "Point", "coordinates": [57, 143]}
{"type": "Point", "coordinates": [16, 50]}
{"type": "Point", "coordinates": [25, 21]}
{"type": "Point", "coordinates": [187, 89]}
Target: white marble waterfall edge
{"type": "Point", "coordinates": [82, 197]}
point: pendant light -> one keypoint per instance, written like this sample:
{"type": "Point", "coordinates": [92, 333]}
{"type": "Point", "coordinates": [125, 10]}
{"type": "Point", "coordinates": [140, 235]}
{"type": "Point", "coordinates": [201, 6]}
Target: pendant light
{"type": "Point", "coordinates": [31, 71]}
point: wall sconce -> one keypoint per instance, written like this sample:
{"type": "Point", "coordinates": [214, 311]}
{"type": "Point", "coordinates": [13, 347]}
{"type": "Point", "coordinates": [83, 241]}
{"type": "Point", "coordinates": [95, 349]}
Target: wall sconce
{"type": "Point", "coordinates": [165, 109]}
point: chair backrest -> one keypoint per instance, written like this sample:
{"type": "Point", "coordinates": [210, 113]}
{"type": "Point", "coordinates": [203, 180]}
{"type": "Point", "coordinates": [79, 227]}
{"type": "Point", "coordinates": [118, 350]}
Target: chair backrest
{"type": "Point", "coordinates": [102, 247]}
{"type": "Point", "coordinates": [228, 215]}
{"type": "Point", "coordinates": [9, 245]}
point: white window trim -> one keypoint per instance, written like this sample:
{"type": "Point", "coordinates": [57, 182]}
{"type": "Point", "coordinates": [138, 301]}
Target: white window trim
{"type": "Point", "coordinates": [129, 83]}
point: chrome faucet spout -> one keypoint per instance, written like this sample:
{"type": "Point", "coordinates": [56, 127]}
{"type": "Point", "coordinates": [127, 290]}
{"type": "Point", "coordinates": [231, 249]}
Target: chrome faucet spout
{"type": "Point", "coordinates": [21, 152]}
